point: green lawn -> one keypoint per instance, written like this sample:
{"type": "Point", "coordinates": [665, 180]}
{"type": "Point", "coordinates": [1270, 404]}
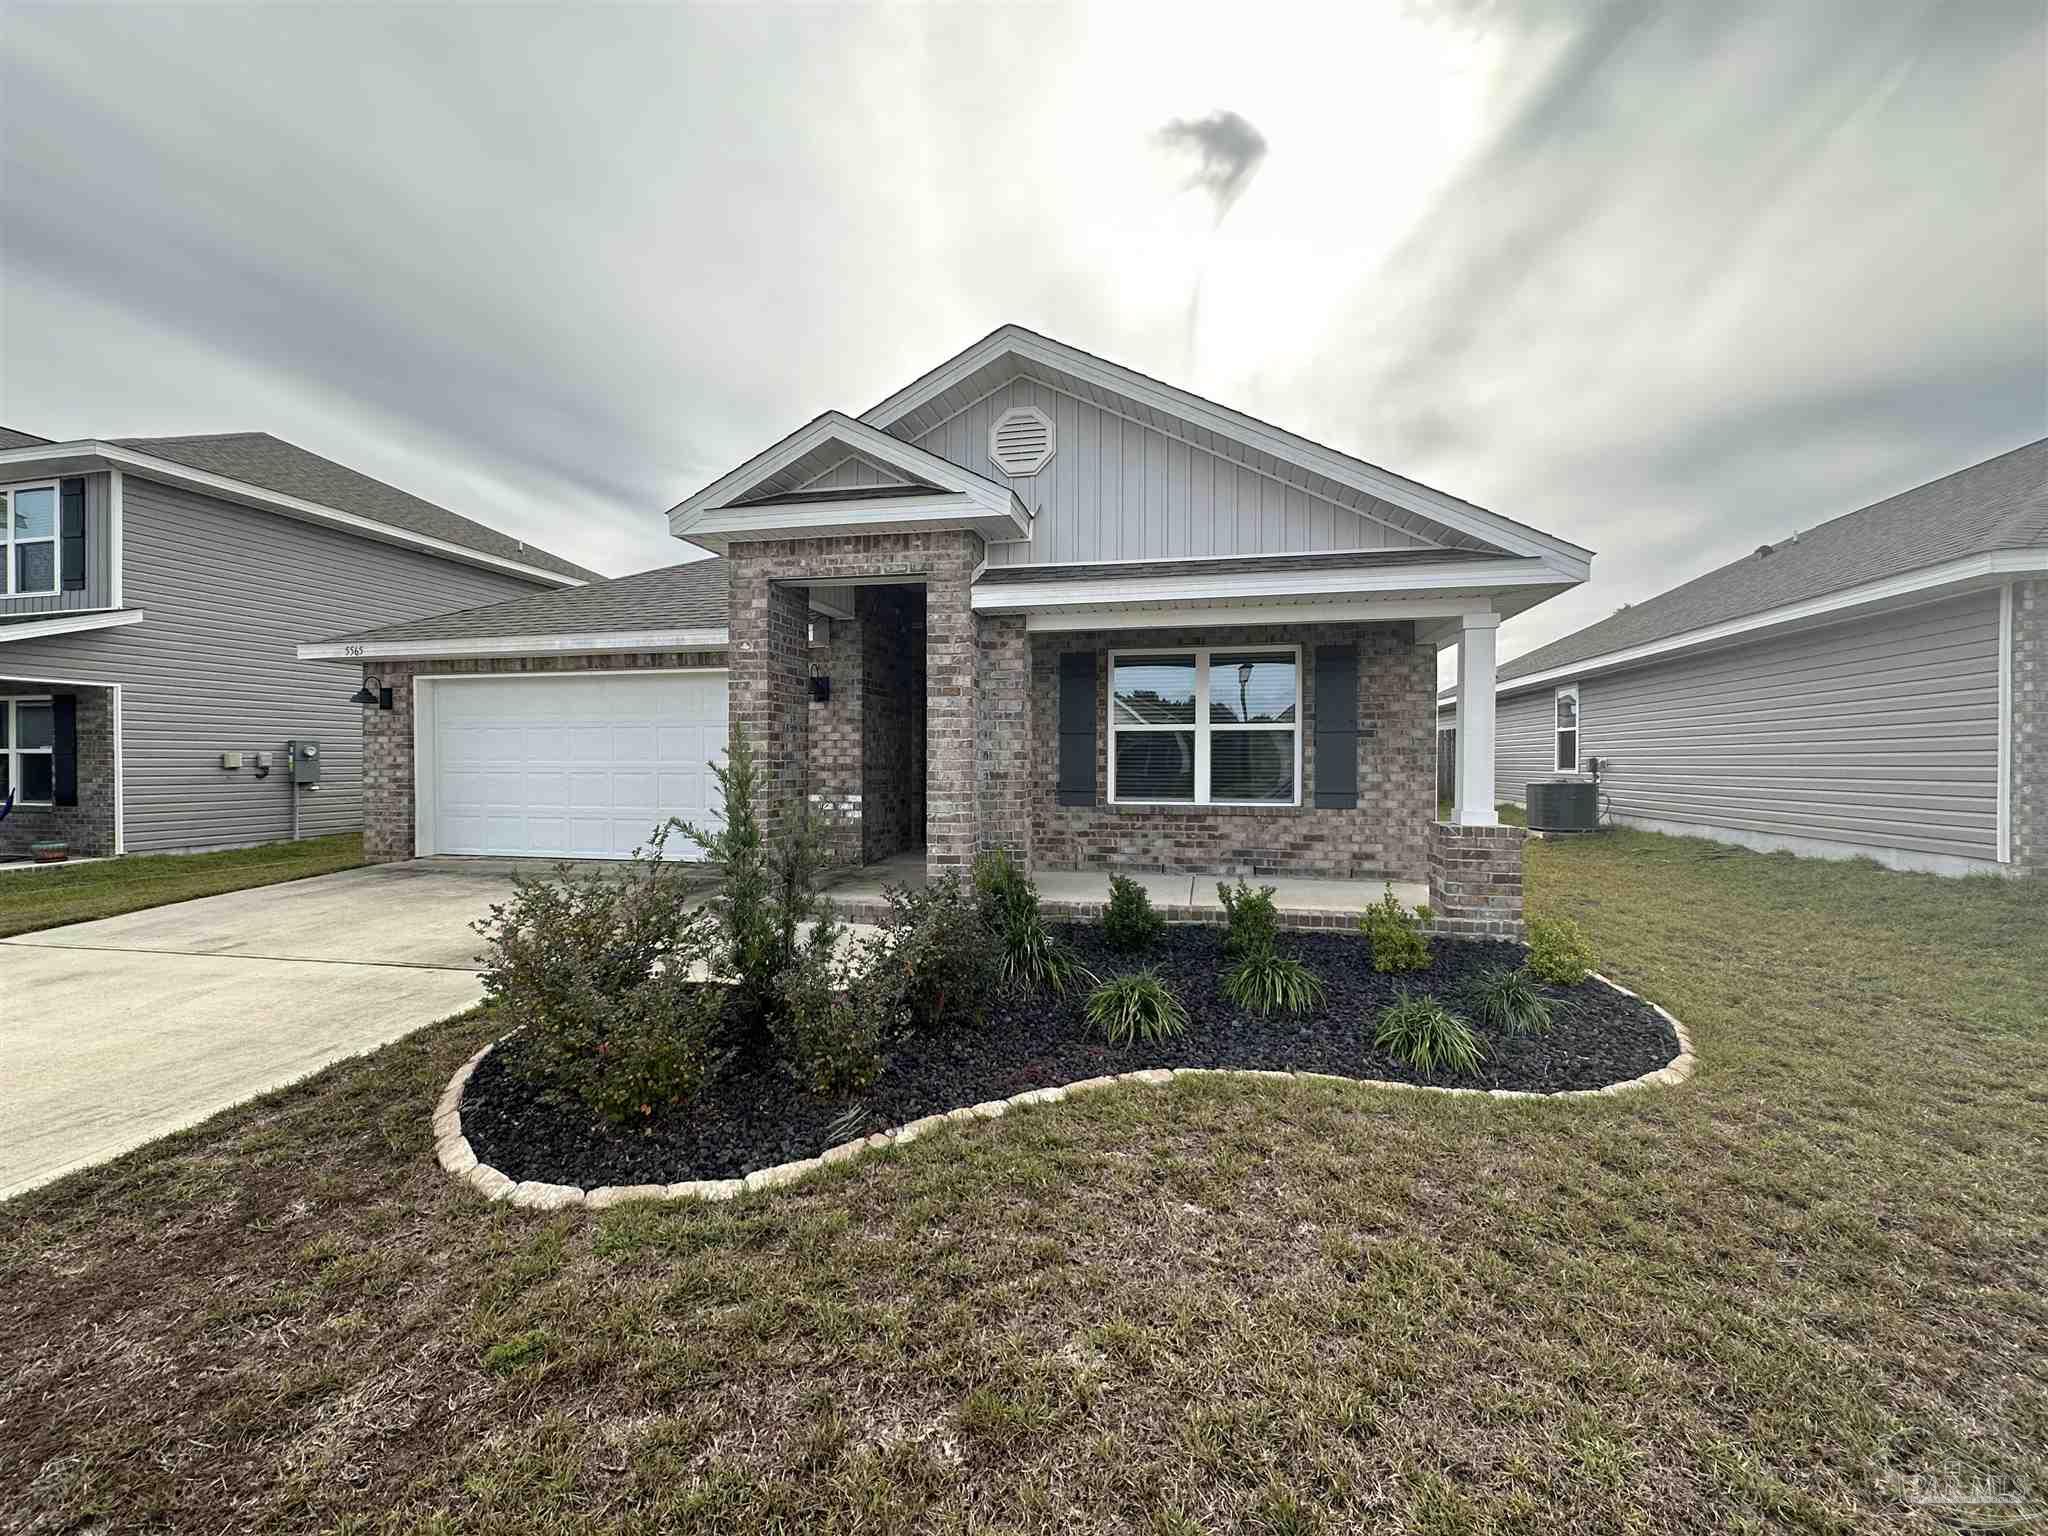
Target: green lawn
{"type": "Point", "coordinates": [1794, 1294]}
{"type": "Point", "coordinates": [46, 898]}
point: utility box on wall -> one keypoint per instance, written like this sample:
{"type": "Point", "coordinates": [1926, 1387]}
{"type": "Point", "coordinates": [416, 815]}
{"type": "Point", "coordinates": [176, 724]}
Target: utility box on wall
{"type": "Point", "coordinates": [305, 761]}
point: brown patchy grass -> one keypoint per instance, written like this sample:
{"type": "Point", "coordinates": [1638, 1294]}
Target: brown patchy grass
{"type": "Point", "coordinates": [1769, 1300]}
{"type": "Point", "coordinates": [48, 898]}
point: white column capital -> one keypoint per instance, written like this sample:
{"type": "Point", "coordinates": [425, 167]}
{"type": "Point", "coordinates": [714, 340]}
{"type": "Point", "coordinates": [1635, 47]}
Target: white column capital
{"type": "Point", "coordinates": [1487, 620]}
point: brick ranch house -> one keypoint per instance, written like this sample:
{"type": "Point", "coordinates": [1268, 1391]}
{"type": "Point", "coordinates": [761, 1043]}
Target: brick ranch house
{"type": "Point", "coordinates": [1033, 600]}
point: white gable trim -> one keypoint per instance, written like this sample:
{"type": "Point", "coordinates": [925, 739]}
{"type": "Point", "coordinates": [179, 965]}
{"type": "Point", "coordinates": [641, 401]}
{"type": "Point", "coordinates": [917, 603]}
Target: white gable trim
{"type": "Point", "coordinates": [1479, 576]}
{"type": "Point", "coordinates": [115, 457]}
{"type": "Point", "coordinates": [585, 643]}
{"type": "Point", "coordinates": [710, 511]}
{"type": "Point", "coordinates": [1314, 457]}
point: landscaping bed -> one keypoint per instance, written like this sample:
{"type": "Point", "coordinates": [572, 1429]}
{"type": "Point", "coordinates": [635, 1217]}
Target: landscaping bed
{"type": "Point", "coordinates": [752, 1116]}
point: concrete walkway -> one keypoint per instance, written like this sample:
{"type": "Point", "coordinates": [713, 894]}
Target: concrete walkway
{"type": "Point", "coordinates": [118, 1031]}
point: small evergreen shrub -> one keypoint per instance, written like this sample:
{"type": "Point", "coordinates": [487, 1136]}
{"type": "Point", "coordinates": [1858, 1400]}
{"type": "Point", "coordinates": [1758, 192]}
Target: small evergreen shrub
{"type": "Point", "coordinates": [1508, 1000]}
{"type": "Point", "coordinates": [935, 965]}
{"type": "Point", "coordinates": [1266, 981]}
{"type": "Point", "coordinates": [832, 1029]}
{"type": "Point", "coordinates": [1427, 1036]}
{"type": "Point", "coordinates": [1398, 943]}
{"type": "Point", "coordinates": [1254, 924]}
{"type": "Point", "coordinates": [1136, 1007]}
{"type": "Point", "coordinates": [1029, 957]}
{"type": "Point", "coordinates": [1131, 923]}
{"type": "Point", "coordinates": [595, 970]}
{"type": "Point", "coordinates": [1559, 950]}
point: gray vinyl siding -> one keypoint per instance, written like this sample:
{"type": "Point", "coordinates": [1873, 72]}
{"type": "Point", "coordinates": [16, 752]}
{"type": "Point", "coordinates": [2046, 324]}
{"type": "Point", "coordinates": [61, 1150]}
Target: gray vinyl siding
{"type": "Point", "coordinates": [1524, 743]}
{"type": "Point", "coordinates": [1881, 733]}
{"type": "Point", "coordinates": [99, 560]}
{"type": "Point", "coordinates": [229, 593]}
{"type": "Point", "coordinates": [1117, 489]}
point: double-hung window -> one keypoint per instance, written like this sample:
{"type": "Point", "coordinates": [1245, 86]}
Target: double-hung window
{"type": "Point", "coordinates": [1205, 727]}
{"type": "Point", "coordinates": [30, 540]}
{"type": "Point", "coordinates": [28, 761]}
{"type": "Point", "coordinates": [1567, 758]}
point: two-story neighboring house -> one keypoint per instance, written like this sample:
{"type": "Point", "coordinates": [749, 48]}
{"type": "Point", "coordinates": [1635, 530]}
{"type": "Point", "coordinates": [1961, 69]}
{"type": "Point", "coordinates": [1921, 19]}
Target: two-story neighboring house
{"type": "Point", "coordinates": [153, 594]}
{"type": "Point", "coordinates": [1033, 600]}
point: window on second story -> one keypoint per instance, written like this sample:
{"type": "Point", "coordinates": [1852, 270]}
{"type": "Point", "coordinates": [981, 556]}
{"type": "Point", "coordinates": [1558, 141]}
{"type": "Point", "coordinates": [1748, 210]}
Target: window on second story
{"type": "Point", "coordinates": [30, 541]}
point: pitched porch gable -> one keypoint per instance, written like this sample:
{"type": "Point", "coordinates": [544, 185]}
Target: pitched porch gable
{"type": "Point", "coordinates": [898, 485]}
{"type": "Point", "coordinates": [1273, 485]}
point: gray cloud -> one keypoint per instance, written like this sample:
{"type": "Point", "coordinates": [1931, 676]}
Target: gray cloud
{"type": "Point", "coordinates": [1229, 151]}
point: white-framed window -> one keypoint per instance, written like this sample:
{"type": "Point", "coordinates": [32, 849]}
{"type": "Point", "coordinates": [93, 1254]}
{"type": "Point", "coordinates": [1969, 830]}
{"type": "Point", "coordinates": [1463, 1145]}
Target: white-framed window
{"type": "Point", "coordinates": [1567, 759]}
{"type": "Point", "coordinates": [29, 540]}
{"type": "Point", "coordinates": [28, 751]}
{"type": "Point", "coordinates": [1200, 726]}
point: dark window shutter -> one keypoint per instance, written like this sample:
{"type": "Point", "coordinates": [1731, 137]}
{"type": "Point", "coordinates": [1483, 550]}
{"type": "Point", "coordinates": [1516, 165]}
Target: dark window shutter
{"type": "Point", "coordinates": [64, 742]}
{"type": "Point", "coordinates": [1077, 729]}
{"type": "Point", "coordinates": [71, 529]}
{"type": "Point", "coordinates": [1336, 764]}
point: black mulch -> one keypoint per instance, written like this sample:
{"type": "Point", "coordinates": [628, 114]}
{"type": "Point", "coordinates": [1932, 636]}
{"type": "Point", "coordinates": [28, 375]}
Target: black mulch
{"type": "Point", "coordinates": [753, 1118]}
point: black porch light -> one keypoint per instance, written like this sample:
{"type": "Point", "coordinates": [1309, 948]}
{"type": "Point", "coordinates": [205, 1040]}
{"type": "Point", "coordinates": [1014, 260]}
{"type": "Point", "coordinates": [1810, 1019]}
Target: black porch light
{"type": "Point", "coordinates": [368, 695]}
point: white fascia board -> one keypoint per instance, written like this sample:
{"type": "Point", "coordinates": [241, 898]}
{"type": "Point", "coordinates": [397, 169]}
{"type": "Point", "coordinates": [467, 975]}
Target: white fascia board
{"type": "Point", "coordinates": [1253, 586]}
{"type": "Point", "coordinates": [1927, 583]}
{"type": "Point", "coordinates": [72, 623]}
{"type": "Point", "coordinates": [689, 516]}
{"type": "Point", "coordinates": [1299, 451]}
{"type": "Point", "coordinates": [1367, 611]}
{"type": "Point", "coordinates": [722, 527]}
{"type": "Point", "coordinates": [116, 524]}
{"type": "Point", "coordinates": [594, 642]}
{"type": "Point", "coordinates": [115, 457]}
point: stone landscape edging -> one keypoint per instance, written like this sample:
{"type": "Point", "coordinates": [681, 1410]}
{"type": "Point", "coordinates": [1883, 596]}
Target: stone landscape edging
{"type": "Point", "coordinates": [453, 1151]}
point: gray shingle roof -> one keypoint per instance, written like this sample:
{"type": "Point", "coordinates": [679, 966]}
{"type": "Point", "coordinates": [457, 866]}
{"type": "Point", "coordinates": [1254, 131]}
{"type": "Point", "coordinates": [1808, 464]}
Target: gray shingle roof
{"type": "Point", "coordinates": [10, 438]}
{"type": "Point", "coordinates": [276, 465]}
{"type": "Point", "coordinates": [2001, 503]}
{"type": "Point", "coordinates": [687, 596]}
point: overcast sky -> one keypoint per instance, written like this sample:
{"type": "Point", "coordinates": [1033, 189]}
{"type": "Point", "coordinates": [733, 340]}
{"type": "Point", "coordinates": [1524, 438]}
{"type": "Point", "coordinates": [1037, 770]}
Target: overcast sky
{"type": "Point", "coordinates": [1665, 280]}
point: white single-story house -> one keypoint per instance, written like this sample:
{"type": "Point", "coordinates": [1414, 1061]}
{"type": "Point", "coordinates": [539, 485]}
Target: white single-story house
{"type": "Point", "coordinates": [1876, 686]}
{"type": "Point", "coordinates": [1033, 600]}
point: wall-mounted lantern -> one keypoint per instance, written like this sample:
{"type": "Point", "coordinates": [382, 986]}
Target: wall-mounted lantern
{"type": "Point", "coordinates": [367, 695]}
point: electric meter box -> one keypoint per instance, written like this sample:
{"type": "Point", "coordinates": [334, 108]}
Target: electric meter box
{"type": "Point", "coordinates": [305, 762]}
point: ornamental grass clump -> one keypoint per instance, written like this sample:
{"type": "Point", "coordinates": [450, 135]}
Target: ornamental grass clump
{"type": "Point", "coordinates": [1266, 981]}
{"type": "Point", "coordinates": [1398, 943]}
{"type": "Point", "coordinates": [1136, 1007]}
{"type": "Point", "coordinates": [1508, 1000]}
{"type": "Point", "coordinates": [1029, 957]}
{"type": "Point", "coordinates": [1559, 951]}
{"type": "Point", "coordinates": [1131, 923]}
{"type": "Point", "coordinates": [1425, 1035]}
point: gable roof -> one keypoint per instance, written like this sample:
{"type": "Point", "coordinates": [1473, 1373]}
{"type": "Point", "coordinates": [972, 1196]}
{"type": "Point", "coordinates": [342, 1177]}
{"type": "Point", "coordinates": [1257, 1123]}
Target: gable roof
{"type": "Point", "coordinates": [1012, 351]}
{"type": "Point", "coordinates": [257, 458]}
{"type": "Point", "coordinates": [10, 438]}
{"type": "Point", "coordinates": [2000, 504]}
{"type": "Point", "coordinates": [676, 600]}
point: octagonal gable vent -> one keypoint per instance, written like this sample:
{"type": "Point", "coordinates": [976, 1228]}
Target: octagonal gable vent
{"type": "Point", "coordinates": [1021, 442]}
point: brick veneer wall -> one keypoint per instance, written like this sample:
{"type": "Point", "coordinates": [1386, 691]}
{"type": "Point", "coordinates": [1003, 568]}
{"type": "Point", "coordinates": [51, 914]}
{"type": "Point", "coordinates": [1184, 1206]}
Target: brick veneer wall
{"type": "Point", "coordinates": [87, 828]}
{"type": "Point", "coordinates": [1475, 880]}
{"type": "Point", "coordinates": [388, 809]}
{"type": "Point", "coordinates": [837, 737]}
{"type": "Point", "coordinates": [2030, 727]}
{"type": "Point", "coordinates": [892, 737]}
{"type": "Point", "coordinates": [1386, 835]}
{"type": "Point", "coordinates": [770, 592]}
{"type": "Point", "coordinates": [1003, 755]}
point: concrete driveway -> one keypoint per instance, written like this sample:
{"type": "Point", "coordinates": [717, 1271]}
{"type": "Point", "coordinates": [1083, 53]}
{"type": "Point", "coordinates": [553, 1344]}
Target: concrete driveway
{"type": "Point", "coordinates": [118, 1031]}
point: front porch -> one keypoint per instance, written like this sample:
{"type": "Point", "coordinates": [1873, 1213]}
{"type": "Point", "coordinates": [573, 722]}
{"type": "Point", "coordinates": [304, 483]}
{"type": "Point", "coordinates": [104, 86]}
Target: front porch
{"type": "Point", "coordinates": [59, 766]}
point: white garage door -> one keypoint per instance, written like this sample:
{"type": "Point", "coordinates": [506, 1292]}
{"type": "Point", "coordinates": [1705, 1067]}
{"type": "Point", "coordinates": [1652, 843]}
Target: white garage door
{"type": "Point", "coordinates": [581, 765]}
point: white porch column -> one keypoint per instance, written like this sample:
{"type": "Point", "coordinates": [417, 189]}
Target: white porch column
{"type": "Point", "coordinates": [1475, 798]}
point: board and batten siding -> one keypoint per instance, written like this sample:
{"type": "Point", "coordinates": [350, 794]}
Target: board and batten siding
{"type": "Point", "coordinates": [230, 592]}
{"type": "Point", "coordinates": [1117, 489]}
{"type": "Point", "coordinates": [99, 557]}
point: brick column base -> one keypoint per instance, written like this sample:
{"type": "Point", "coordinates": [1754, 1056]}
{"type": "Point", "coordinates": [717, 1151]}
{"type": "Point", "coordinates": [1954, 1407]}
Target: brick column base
{"type": "Point", "coordinates": [1475, 880]}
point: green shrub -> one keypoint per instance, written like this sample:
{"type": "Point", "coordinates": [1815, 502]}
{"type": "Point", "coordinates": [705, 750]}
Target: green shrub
{"type": "Point", "coordinates": [594, 969]}
{"type": "Point", "coordinates": [832, 1028]}
{"type": "Point", "coordinates": [1508, 1000]}
{"type": "Point", "coordinates": [1266, 980]}
{"type": "Point", "coordinates": [767, 890]}
{"type": "Point", "coordinates": [1028, 955]}
{"type": "Point", "coordinates": [1254, 924]}
{"type": "Point", "coordinates": [1559, 950]}
{"type": "Point", "coordinates": [1136, 1007]}
{"type": "Point", "coordinates": [1131, 923]}
{"type": "Point", "coordinates": [935, 965]}
{"type": "Point", "coordinates": [1427, 1036]}
{"type": "Point", "coordinates": [1398, 943]}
